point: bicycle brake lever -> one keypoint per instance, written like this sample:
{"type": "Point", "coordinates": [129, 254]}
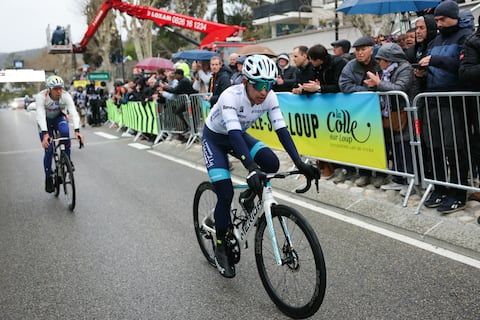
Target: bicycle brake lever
{"type": "Point", "coordinates": [307, 187]}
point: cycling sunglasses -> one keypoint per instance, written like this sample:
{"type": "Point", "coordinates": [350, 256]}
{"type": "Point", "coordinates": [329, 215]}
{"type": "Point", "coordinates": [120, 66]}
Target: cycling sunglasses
{"type": "Point", "coordinates": [260, 85]}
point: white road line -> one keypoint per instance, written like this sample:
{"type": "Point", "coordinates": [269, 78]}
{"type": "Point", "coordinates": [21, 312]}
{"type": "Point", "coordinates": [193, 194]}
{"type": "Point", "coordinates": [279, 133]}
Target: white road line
{"type": "Point", "coordinates": [105, 135]}
{"type": "Point", "coordinates": [359, 223]}
{"type": "Point", "coordinates": [139, 146]}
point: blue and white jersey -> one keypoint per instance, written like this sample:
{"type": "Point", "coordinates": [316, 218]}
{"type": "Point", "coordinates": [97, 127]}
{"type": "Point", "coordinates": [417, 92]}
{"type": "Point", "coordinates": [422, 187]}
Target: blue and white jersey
{"type": "Point", "coordinates": [48, 108]}
{"type": "Point", "coordinates": [234, 111]}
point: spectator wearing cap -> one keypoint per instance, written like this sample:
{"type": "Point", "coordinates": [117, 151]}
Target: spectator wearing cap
{"type": "Point", "coordinates": [397, 75]}
{"type": "Point", "coordinates": [237, 75]}
{"type": "Point", "coordinates": [287, 74]}
{"type": "Point", "coordinates": [352, 80]}
{"type": "Point", "coordinates": [341, 48]}
{"type": "Point", "coordinates": [446, 129]}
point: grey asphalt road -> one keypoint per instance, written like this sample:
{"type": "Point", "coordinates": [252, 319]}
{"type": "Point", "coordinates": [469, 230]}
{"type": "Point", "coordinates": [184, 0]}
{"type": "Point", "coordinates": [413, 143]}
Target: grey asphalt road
{"type": "Point", "coordinates": [129, 250]}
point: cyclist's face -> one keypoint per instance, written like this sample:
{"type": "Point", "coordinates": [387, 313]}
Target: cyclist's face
{"type": "Point", "coordinates": [56, 93]}
{"type": "Point", "coordinates": [258, 91]}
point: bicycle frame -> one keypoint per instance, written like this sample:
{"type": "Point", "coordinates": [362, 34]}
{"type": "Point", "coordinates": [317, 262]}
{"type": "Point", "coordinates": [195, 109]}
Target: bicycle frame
{"type": "Point", "coordinates": [242, 228]}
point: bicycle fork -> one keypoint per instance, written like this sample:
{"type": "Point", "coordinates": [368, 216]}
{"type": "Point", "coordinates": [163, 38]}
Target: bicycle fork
{"type": "Point", "coordinates": [268, 201]}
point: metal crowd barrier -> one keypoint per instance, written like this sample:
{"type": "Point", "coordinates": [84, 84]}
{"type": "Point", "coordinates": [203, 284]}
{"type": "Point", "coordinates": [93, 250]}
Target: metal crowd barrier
{"type": "Point", "coordinates": [448, 136]}
{"type": "Point", "coordinates": [169, 123]}
{"type": "Point", "coordinates": [426, 141]}
{"type": "Point", "coordinates": [197, 112]}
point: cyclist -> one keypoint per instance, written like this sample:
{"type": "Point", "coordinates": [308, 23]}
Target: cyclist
{"type": "Point", "coordinates": [237, 108]}
{"type": "Point", "coordinates": [53, 105]}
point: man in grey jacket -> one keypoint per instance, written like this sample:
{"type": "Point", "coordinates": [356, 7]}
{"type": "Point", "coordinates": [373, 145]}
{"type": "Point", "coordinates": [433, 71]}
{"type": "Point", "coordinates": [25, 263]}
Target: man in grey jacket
{"type": "Point", "coordinates": [352, 80]}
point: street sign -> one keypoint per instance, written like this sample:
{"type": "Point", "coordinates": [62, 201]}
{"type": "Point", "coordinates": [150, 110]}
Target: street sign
{"type": "Point", "coordinates": [97, 76]}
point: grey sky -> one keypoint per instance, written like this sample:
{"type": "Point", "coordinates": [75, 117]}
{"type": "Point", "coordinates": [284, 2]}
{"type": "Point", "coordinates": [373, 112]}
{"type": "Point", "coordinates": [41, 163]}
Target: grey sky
{"type": "Point", "coordinates": [23, 22]}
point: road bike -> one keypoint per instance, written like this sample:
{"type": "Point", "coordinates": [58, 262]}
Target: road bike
{"type": "Point", "coordinates": [63, 178]}
{"type": "Point", "coordinates": [288, 255]}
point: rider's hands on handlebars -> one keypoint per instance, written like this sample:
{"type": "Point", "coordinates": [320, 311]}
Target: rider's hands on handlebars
{"type": "Point", "coordinates": [255, 178]}
{"type": "Point", "coordinates": [310, 171]}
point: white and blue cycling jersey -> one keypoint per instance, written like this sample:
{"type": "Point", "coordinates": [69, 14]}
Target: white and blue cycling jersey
{"type": "Point", "coordinates": [234, 111]}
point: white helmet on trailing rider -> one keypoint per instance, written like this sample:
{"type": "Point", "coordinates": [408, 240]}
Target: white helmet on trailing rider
{"type": "Point", "coordinates": [259, 67]}
{"type": "Point", "coordinates": [54, 82]}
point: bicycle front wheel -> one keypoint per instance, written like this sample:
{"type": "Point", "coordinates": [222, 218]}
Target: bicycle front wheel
{"type": "Point", "coordinates": [297, 286]}
{"type": "Point", "coordinates": [68, 182]}
{"type": "Point", "coordinates": [204, 204]}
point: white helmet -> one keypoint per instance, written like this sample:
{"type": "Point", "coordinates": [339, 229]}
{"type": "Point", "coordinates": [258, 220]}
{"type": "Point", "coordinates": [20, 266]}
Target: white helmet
{"type": "Point", "coordinates": [260, 67]}
{"type": "Point", "coordinates": [54, 82]}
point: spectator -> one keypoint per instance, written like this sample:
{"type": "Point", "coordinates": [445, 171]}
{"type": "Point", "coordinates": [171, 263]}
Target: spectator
{"type": "Point", "coordinates": [219, 81]}
{"type": "Point", "coordinates": [352, 80]}
{"type": "Point", "coordinates": [160, 77]}
{"type": "Point", "coordinates": [172, 82]}
{"type": "Point", "coordinates": [401, 40]}
{"type": "Point", "coordinates": [305, 68]}
{"type": "Point", "coordinates": [410, 39]}
{"type": "Point", "coordinates": [287, 75]}
{"type": "Point", "coordinates": [446, 129]}
{"type": "Point", "coordinates": [184, 86]}
{"type": "Point", "coordinates": [232, 61]}
{"type": "Point", "coordinates": [58, 36]}
{"type": "Point", "coordinates": [330, 67]}
{"type": "Point", "coordinates": [341, 48]}
{"type": "Point", "coordinates": [425, 31]}
{"type": "Point", "coordinates": [469, 72]}
{"type": "Point", "coordinates": [397, 75]}
{"type": "Point", "coordinates": [237, 76]}
{"type": "Point", "coordinates": [201, 76]}
{"type": "Point", "coordinates": [80, 101]}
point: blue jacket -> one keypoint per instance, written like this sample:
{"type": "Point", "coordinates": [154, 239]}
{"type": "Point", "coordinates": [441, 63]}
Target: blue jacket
{"type": "Point", "coordinates": [445, 51]}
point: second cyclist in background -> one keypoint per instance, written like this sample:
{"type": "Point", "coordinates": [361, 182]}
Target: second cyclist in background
{"type": "Point", "coordinates": [53, 104]}
{"type": "Point", "coordinates": [238, 107]}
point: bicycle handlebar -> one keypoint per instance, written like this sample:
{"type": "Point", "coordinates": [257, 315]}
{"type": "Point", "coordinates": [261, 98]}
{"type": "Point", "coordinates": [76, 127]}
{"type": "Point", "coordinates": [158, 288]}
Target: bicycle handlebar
{"type": "Point", "coordinates": [64, 138]}
{"type": "Point", "coordinates": [283, 175]}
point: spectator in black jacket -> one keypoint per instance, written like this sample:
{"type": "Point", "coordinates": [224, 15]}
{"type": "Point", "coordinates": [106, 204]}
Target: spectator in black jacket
{"type": "Point", "coordinates": [287, 74]}
{"type": "Point", "coordinates": [219, 81]}
{"type": "Point", "coordinates": [469, 72]}
{"type": "Point", "coordinates": [305, 68]}
{"type": "Point", "coordinates": [184, 86]}
{"type": "Point", "coordinates": [329, 69]}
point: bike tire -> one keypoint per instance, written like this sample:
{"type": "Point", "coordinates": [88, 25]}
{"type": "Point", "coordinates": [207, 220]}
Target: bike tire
{"type": "Point", "coordinates": [56, 182]}
{"type": "Point", "coordinates": [204, 204]}
{"type": "Point", "coordinates": [297, 287]}
{"type": "Point", "coordinates": [68, 182]}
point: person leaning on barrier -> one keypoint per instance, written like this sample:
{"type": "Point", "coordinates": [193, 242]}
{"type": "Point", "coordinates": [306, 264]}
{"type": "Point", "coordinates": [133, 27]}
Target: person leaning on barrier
{"type": "Point", "coordinates": [329, 69]}
{"type": "Point", "coordinates": [440, 74]}
{"type": "Point", "coordinates": [397, 75]}
{"type": "Point", "coordinates": [305, 68]}
{"type": "Point", "coordinates": [184, 86]}
{"type": "Point", "coordinates": [225, 132]}
{"type": "Point", "coordinates": [469, 72]}
{"type": "Point", "coordinates": [352, 80]}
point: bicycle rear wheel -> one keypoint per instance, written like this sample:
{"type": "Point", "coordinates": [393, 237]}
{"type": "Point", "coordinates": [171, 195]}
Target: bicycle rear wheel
{"type": "Point", "coordinates": [204, 204]}
{"type": "Point", "coordinates": [68, 182]}
{"type": "Point", "coordinates": [297, 286]}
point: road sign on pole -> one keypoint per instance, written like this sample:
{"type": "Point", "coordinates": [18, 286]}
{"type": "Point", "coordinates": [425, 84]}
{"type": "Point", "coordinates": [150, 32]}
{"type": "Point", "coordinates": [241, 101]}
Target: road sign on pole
{"type": "Point", "coordinates": [99, 76]}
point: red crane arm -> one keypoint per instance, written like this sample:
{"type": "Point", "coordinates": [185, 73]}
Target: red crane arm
{"type": "Point", "coordinates": [214, 31]}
